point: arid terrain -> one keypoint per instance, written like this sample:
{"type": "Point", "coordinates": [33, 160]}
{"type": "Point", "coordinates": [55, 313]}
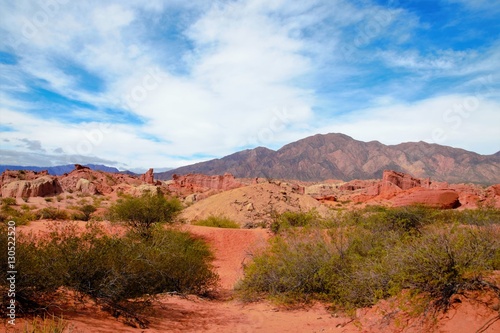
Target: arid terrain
{"type": "Point", "coordinates": [252, 203]}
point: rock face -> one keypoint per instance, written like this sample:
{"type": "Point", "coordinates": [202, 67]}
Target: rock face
{"type": "Point", "coordinates": [443, 199]}
{"type": "Point", "coordinates": [39, 187]}
{"type": "Point", "coordinates": [399, 189]}
{"type": "Point", "coordinates": [338, 156]}
{"type": "Point", "coordinates": [197, 183]}
{"type": "Point", "coordinates": [148, 177]}
{"type": "Point", "coordinates": [14, 175]}
{"type": "Point", "coordinates": [85, 180]}
{"type": "Point", "coordinates": [402, 180]}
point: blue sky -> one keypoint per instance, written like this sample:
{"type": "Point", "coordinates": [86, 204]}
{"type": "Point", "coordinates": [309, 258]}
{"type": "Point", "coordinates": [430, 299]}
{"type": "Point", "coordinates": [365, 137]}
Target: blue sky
{"type": "Point", "coordinates": [138, 84]}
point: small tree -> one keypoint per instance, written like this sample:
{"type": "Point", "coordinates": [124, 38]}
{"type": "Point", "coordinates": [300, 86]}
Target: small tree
{"type": "Point", "coordinates": [142, 213]}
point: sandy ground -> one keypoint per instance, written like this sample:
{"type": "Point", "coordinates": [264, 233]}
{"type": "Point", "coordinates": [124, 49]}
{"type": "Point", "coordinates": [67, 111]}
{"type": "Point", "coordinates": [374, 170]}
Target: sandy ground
{"type": "Point", "coordinates": [233, 247]}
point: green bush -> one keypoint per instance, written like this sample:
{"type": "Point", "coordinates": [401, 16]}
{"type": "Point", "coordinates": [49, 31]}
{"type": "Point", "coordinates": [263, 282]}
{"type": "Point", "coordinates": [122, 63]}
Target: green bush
{"type": "Point", "coordinates": [112, 270]}
{"type": "Point", "coordinates": [371, 255]}
{"type": "Point", "coordinates": [51, 213]}
{"type": "Point", "coordinates": [446, 262]}
{"type": "Point", "coordinates": [86, 212]}
{"type": "Point", "coordinates": [289, 269]}
{"type": "Point", "coordinates": [142, 213]}
{"type": "Point", "coordinates": [21, 217]}
{"type": "Point", "coordinates": [217, 222]}
{"type": "Point", "coordinates": [9, 201]}
{"type": "Point", "coordinates": [293, 219]}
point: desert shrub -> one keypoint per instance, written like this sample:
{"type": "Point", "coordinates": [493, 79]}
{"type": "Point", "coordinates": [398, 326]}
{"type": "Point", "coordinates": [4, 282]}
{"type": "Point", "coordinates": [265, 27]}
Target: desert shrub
{"type": "Point", "coordinates": [142, 213]}
{"type": "Point", "coordinates": [289, 268]}
{"type": "Point", "coordinates": [52, 213]}
{"type": "Point", "coordinates": [407, 219]}
{"type": "Point", "coordinates": [86, 212]}
{"type": "Point", "coordinates": [371, 255]}
{"type": "Point", "coordinates": [111, 270]}
{"type": "Point", "coordinates": [217, 222]}
{"type": "Point", "coordinates": [47, 324]}
{"type": "Point", "coordinates": [446, 262]}
{"type": "Point", "coordinates": [9, 201]}
{"type": "Point", "coordinates": [480, 217]}
{"type": "Point", "coordinates": [293, 219]}
{"type": "Point", "coordinates": [21, 217]}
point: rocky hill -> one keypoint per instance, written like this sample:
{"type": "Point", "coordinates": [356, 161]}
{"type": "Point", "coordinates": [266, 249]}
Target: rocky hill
{"type": "Point", "coordinates": [338, 156]}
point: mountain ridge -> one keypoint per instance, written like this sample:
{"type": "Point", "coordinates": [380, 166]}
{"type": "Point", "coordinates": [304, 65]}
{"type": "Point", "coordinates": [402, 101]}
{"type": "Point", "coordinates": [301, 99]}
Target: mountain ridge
{"type": "Point", "coordinates": [338, 156]}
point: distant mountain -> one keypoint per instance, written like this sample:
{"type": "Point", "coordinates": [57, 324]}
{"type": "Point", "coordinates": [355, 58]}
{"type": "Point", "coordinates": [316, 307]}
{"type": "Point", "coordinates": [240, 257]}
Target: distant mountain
{"type": "Point", "coordinates": [338, 156]}
{"type": "Point", "coordinates": [59, 169]}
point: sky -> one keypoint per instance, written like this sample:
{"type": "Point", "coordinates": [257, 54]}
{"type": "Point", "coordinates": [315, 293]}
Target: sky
{"type": "Point", "coordinates": [138, 84]}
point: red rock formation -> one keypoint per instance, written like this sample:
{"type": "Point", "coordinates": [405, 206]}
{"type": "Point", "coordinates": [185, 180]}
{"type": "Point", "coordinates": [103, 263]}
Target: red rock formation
{"type": "Point", "coordinates": [148, 177]}
{"type": "Point", "coordinates": [88, 181]}
{"type": "Point", "coordinates": [443, 199]}
{"type": "Point", "coordinates": [197, 183]}
{"type": "Point", "coordinates": [354, 185]}
{"type": "Point", "coordinates": [39, 187]}
{"type": "Point", "coordinates": [81, 167]}
{"type": "Point", "coordinates": [403, 181]}
{"type": "Point", "coordinates": [13, 175]}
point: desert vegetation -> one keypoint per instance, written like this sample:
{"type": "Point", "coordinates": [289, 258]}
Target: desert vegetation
{"type": "Point", "coordinates": [142, 213]}
{"type": "Point", "coordinates": [356, 258]}
{"type": "Point", "coordinates": [217, 222]}
{"type": "Point", "coordinates": [120, 273]}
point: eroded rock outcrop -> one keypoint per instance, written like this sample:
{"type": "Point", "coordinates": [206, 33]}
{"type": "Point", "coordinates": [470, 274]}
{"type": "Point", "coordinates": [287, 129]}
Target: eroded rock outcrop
{"type": "Point", "coordinates": [40, 187]}
{"type": "Point", "coordinates": [148, 177]}
{"type": "Point", "coordinates": [85, 180]}
{"type": "Point", "coordinates": [196, 183]}
{"type": "Point", "coordinates": [404, 181]}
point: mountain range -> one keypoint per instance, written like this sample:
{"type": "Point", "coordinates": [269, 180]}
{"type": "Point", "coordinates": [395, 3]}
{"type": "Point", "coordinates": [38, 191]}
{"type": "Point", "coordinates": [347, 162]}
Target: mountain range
{"type": "Point", "coordinates": [338, 156]}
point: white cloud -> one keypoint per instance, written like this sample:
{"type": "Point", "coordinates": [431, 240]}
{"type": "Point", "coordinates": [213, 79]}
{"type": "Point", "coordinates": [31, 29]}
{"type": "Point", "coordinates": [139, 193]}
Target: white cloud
{"type": "Point", "coordinates": [250, 75]}
{"type": "Point", "coordinates": [464, 121]}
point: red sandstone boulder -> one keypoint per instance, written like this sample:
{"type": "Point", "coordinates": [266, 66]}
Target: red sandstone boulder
{"type": "Point", "coordinates": [443, 199]}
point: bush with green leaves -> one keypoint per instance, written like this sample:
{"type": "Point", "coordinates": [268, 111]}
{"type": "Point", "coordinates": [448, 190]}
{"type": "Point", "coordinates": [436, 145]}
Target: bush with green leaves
{"type": "Point", "coordinates": [52, 213]}
{"type": "Point", "coordinates": [9, 201]}
{"type": "Point", "coordinates": [84, 212]}
{"type": "Point", "coordinates": [293, 219]}
{"type": "Point", "coordinates": [217, 222]}
{"type": "Point", "coordinates": [142, 213]}
{"type": "Point", "coordinates": [113, 271]}
{"type": "Point", "coordinates": [21, 216]}
{"type": "Point", "coordinates": [448, 261]}
{"type": "Point", "coordinates": [289, 269]}
{"type": "Point", "coordinates": [372, 255]}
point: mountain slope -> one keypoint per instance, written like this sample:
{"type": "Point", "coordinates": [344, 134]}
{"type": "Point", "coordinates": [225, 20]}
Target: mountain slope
{"type": "Point", "coordinates": [338, 156]}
